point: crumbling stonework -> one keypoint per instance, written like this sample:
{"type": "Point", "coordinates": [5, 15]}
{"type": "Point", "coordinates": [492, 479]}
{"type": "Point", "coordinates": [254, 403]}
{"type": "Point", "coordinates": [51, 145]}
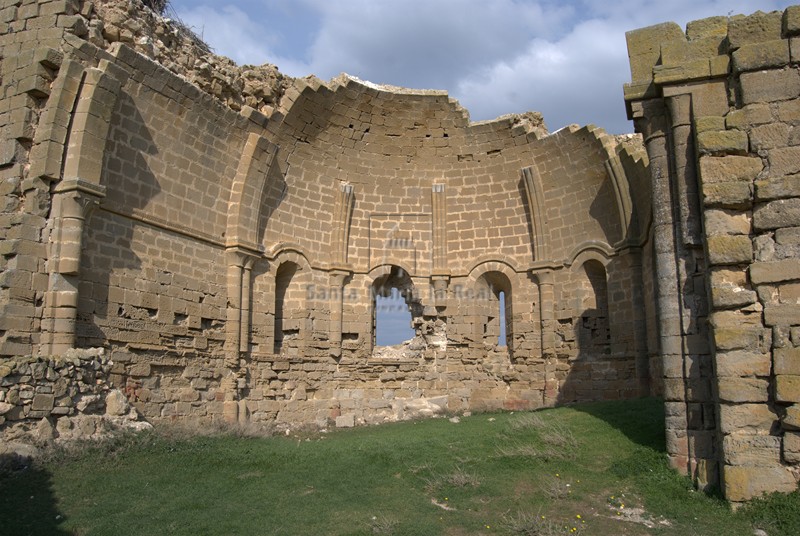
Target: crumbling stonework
{"type": "Point", "coordinates": [717, 108]}
{"type": "Point", "coordinates": [60, 398]}
{"type": "Point", "coordinates": [222, 235]}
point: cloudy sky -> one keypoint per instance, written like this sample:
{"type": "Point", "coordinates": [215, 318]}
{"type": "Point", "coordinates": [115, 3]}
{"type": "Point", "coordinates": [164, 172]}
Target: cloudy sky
{"type": "Point", "coordinates": [564, 58]}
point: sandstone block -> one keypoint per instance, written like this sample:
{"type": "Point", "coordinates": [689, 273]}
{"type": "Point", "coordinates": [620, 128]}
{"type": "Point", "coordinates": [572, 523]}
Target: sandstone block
{"type": "Point", "coordinates": [788, 111]}
{"type": "Point", "coordinates": [745, 482]}
{"type": "Point", "coordinates": [722, 141]}
{"type": "Point", "coordinates": [738, 338]}
{"type": "Point", "coordinates": [724, 222]}
{"type": "Point", "coordinates": [755, 28]}
{"type": "Point", "coordinates": [116, 403]}
{"type": "Point", "coordinates": [43, 402]}
{"type": "Point", "coordinates": [709, 123]}
{"type": "Point", "coordinates": [746, 418]}
{"type": "Point", "coordinates": [691, 70]}
{"type": "Point", "coordinates": [735, 249]}
{"type": "Point", "coordinates": [729, 168]}
{"type": "Point", "coordinates": [770, 86]}
{"type": "Point", "coordinates": [738, 390]}
{"type": "Point", "coordinates": [775, 271]}
{"type": "Point", "coordinates": [728, 195]}
{"type": "Point", "coordinates": [681, 52]}
{"type": "Point", "coordinates": [748, 116]}
{"type": "Point", "coordinates": [644, 48]}
{"type": "Point", "coordinates": [785, 161]}
{"type": "Point", "coordinates": [791, 20]}
{"type": "Point", "coordinates": [789, 236]}
{"type": "Point", "coordinates": [791, 419]}
{"type": "Point", "coordinates": [787, 360]}
{"type": "Point", "coordinates": [777, 188]}
{"type": "Point", "coordinates": [140, 369]}
{"type": "Point", "coordinates": [708, 27]}
{"type": "Point", "coordinates": [763, 55]}
{"type": "Point", "coordinates": [781, 315]}
{"type": "Point", "coordinates": [739, 363]}
{"type": "Point", "coordinates": [345, 421]}
{"type": "Point", "coordinates": [745, 449]}
{"type": "Point", "coordinates": [791, 447]}
{"type": "Point", "coordinates": [776, 214]}
{"type": "Point", "coordinates": [787, 388]}
{"type": "Point", "coordinates": [770, 136]}
{"type": "Point", "coordinates": [726, 296]}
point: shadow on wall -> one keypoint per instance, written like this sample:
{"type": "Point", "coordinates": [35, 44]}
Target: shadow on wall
{"type": "Point", "coordinates": [523, 194]}
{"type": "Point", "coordinates": [130, 185]}
{"type": "Point", "coordinates": [604, 210]}
{"type": "Point", "coordinates": [27, 502]}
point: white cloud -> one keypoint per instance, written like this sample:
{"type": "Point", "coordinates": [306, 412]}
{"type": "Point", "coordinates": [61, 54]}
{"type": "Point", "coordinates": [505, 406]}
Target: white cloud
{"type": "Point", "coordinates": [577, 79]}
{"type": "Point", "coordinates": [232, 32]}
{"type": "Point", "coordinates": [566, 59]}
{"type": "Point", "coordinates": [423, 43]}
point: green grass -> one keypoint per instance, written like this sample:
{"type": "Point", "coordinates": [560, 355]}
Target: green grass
{"type": "Point", "coordinates": [521, 473]}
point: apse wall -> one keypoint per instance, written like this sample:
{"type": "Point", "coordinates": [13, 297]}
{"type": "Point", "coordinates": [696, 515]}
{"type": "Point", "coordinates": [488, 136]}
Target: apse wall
{"type": "Point", "coordinates": [228, 260]}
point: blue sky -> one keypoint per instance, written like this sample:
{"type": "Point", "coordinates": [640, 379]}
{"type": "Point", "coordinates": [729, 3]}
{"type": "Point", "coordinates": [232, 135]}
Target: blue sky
{"type": "Point", "coordinates": [564, 58]}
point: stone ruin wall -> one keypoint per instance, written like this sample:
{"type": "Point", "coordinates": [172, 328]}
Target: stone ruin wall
{"type": "Point", "coordinates": [719, 108]}
{"type": "Point", "coordinates": [220, 233]}
{"type": "Point", "coordinates": [225, 253]}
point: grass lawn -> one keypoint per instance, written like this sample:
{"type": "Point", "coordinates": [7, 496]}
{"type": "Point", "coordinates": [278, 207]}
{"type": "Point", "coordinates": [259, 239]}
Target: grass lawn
{"type": "Point", "coordinates": [593, 469]}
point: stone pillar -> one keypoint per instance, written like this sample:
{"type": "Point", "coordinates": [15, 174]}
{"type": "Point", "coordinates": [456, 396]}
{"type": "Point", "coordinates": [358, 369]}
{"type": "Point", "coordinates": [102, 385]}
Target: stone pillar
{"type": "Point", "coordinates": [440, 284]}
{"type": "Point", "coordinates": [73, 200]}
{"type": "Point", "coordinates": [651, 120]}
{"type": "Point", "coordinates": [691, 271]}
{"type": "Point", "coordinates": [439, 208]}
{"type": "Point", "coordinates": [337, 282]}
{"type": "Point", "coordinates": [237, 326]}
{"type": "Point", "coordinates": [547, 320]}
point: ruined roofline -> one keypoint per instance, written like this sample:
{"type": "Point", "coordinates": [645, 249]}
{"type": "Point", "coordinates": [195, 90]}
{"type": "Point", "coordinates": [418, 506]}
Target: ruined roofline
{"type": "Point", "coordinates": [530, 121]}
{"type": "Point", "coordinates": [171, 44]}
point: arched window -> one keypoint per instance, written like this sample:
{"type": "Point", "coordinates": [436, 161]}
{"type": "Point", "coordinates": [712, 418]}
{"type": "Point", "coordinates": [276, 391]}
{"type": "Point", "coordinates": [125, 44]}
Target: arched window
{"type": "Point", "coordinates": [593, 328]}
{"type": "Point", "coordinates": [392, 319]}
{"type": "Point", "coordinates": [287, 326]}
{"type": "Point", "coordinates": [394, 307]}
{"type": "Point", "coordinates": [502, 336]}
{"type": "Point", "coordinates": [495, 300]}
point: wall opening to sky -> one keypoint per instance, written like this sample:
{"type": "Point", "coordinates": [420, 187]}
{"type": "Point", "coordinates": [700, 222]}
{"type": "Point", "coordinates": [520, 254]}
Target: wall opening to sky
{"type": "Point", "coordinates": [392, 319]}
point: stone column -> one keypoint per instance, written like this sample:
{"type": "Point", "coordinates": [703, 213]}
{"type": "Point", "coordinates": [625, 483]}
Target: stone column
{"type": "Point", "coordinates": [691, 268]}
{"type": "Point", "coordinates": [547, 317]}
{"type": "Point", "coordinates": [337, 282]}
{"type": "Point", "coordinates": [651, 120]}
{"type": "Point", "coordinates": [237, 331]}
{"type": "Point", "coordinates": [237, 326]}
{"type": "Point", "coordinates": [73, 200]}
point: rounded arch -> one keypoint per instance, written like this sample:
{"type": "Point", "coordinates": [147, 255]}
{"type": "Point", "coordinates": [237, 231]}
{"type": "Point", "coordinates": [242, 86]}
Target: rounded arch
{"type": "Point", "coordinates": [494, 265]}
{"type": "Point", "coordinates": [292, 277]}
{"type": "Point", "coordinates": [386, 268]}
{"type": "Point", "coordinates": [592, 326]}
{"type": "Point", "coordinates": [283, 251]}
{"type": "Point", "coordinates": [496, 262]}
{"type": "Point", "coordinates": [591, 250]}
{"type": "Point", "coordinates": [494, 283]}
{"type": "Point", "coordinates": [293, 254]}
